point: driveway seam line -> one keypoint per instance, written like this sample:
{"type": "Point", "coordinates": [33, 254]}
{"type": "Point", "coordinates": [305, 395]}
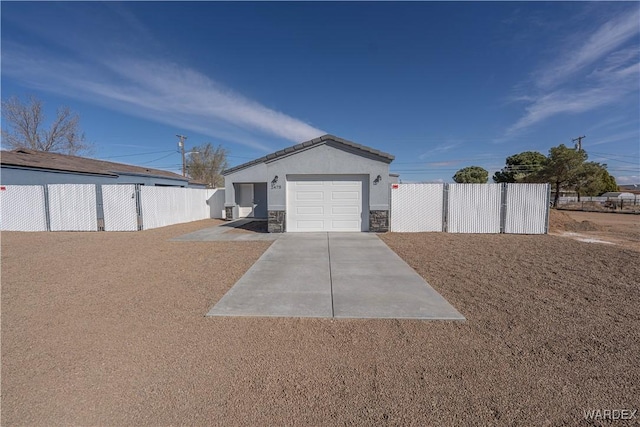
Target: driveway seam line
{"type": "Point", "coordinates": [330, 276]}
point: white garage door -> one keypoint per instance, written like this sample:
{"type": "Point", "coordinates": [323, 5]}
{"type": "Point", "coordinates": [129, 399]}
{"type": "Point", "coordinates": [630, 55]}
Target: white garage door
{"type": "Point", "coordinates": [326, 203]}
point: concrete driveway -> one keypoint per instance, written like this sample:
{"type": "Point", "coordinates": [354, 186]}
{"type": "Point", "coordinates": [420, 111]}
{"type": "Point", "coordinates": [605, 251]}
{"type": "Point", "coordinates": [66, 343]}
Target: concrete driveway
{"type": "Point", "coordinates": [228, 231]}
{"type": "Point", "coordinates": [342, 275]}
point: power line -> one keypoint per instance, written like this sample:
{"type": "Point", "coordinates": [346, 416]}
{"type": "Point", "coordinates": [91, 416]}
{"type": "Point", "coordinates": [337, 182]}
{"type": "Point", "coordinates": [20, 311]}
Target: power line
{"type": "Point", "coordinates": [614, 155]}
{"type": "Point", "coordinates": [159, 158]}
{"type": "Point", "coordinates": [137, 154]}
{"type": "Point", "coordinates": [621, 161]}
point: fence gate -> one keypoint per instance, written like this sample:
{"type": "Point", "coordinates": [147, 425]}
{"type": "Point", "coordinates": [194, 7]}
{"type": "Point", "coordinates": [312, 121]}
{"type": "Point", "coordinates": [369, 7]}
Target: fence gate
{"type": "Point", "coordinates": [474, 208]}
{"type": "Point", "coordinates": [23, 208]}
{"type": "Point", "coordinates": [527, 208]}
{"type": "Point", "coordinates": [416, 207]}
{"type": "Point", "coordinates": [72, 207]}
{"type": "Point", "coordinates": [120, 207]}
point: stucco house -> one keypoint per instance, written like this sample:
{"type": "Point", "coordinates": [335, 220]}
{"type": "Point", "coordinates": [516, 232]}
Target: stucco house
{"type": "Point", "coordinates": [325, 184]}
{"type": "Point", "coordinates": [31, 167]}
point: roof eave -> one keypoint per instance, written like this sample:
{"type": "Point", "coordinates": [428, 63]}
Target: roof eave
{"type": "Point", "coordinates": [57, 170]}
{"type": "Point", "coordinates": [384, 157]}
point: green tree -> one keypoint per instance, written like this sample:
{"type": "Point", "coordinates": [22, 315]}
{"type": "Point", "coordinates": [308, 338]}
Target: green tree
{"type": "Point", "coordinates": [471, 175]}
{"type": "Point", "coordinates": [520, 167]}
{"type": "Point", "coordinates": [561, 168]}
{"type": "Point", "coordinates": [609, 183]}
{"type": "Point", "coordinates": [26, 128]}
{"type": "Point", "coordinates": [593, 179]}
{"type": "Point", "coordinates": [205, 163]}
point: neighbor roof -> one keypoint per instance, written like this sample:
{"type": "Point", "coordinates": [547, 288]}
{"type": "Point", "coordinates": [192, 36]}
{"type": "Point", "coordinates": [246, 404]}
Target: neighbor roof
{"type": "Point", "coordinates": [388, 158]}
{"type": "Point", "coordinates": [63, 162]}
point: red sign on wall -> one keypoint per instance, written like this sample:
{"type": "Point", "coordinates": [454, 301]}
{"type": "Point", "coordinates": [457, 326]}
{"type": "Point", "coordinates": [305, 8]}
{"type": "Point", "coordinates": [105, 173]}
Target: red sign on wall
{"type": "Point", "coordinates": [3, 188]}
{"type": "Point", "coordinates": [394, 186]}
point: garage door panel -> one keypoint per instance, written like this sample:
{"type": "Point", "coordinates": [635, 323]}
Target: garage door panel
{"type": "Point", "coordinates": [346, 195]}
{"type": "Point", "coordinates": [325, 203]}
{"type": "Point", "coordinates": [345, 210]}
{"type": "Point", "coordinates": [309, 195]}
{"type": "Point", "coordinates": [307, 225]}
{"type": "Point", "coordinates": [310, 210]}
{"type": "Point", "coordinates": [308, 183]}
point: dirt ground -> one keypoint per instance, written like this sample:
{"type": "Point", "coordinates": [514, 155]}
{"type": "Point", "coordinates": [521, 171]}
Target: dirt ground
{"type": "Point", "coordinates": [109, 329]}
{"type": "Point", "coordinates": [607, 228]}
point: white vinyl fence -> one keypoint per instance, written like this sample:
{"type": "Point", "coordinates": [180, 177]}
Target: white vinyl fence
{"type": "Point", "coordinates": [470, 208]}
{"type": "Point", "coordinates": [90, 207]}
{"type": "Point", "coordinates": [417, 207]}
{"type": "Point", "coordinates": [162, 206]}
{"type": "Point", "coordinates": [23, 208]}
{"type": "Point", "coordinates": [120, 207]}
{"type": "Point", "coordinates": [72, 207]}
{"type": "Point", "coordinates": [474, 208]}
{"type": "Point", "coordinates": [526, 208]}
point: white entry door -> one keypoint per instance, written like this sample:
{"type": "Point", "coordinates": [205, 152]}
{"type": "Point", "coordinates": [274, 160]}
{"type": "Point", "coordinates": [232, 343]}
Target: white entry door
{"type": "Point", "coordinates": [327, 203]}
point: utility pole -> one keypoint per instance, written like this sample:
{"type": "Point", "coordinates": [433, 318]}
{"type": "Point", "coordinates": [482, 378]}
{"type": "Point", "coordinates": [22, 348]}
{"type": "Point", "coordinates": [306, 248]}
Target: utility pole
{"type": "Point", "coordinates": [579, 144]}
{"type": "Point", "coordinates": [181, 146]}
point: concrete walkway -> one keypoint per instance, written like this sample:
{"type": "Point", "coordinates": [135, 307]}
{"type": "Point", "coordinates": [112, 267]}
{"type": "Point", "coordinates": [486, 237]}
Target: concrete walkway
{"type": "Point", "coordinates": [343, 275]}
{"type": "Point", "coordinates": [226, 232]}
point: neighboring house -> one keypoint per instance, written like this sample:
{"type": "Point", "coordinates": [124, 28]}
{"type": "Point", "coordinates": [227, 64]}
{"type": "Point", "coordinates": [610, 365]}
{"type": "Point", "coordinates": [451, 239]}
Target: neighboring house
{"type": "Point", "coordinates": [619, 195]}
{"type": "Point", "coordinates": [630, 188]}
{"type": "Point", "coordinates": [325, 184]}
{"type": "Point", "coordinates": [30, 167]}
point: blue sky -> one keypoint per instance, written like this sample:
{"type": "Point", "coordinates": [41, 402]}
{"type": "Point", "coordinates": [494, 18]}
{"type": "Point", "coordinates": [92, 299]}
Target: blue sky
{"type": "Point", "coordinates": [441, 85]}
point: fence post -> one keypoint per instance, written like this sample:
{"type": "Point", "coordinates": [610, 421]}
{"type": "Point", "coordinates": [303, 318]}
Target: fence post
{"type": "Point", "coordinates": [99, 208]}
{"type": "Point", "coordinates": [390, 207]}
{"type": "Point", "coordinates": [548, 206]}
{"type": "Point", "coordinates": [46, 206]}
{"type": "Point", "coordinates": [503, 207]}
{"type": "Point", "coordinates": [139, 207]}
{"type": "Point", "coordinates": [445, 207]}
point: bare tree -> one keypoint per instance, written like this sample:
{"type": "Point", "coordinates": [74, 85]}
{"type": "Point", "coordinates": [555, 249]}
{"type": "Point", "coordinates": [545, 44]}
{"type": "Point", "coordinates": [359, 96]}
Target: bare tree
{"type": "Point", "coordinates": [26, 128]}
{"type": "Point", "coordinates": [205, 163]}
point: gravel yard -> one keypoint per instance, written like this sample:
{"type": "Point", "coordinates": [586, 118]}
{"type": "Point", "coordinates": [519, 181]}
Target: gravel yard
{"type": "Point", "coordinates": [109, 329]}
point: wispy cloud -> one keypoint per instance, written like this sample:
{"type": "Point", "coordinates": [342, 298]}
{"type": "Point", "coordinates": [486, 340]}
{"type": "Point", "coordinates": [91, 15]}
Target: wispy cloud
{"type": "Point", "coordinates": [607, 38]}
{"type": "Point", "coordinates": [574, 101]}
{"type": "Point", "coordinates": [439, 149]}
{"type": "Point", "coordinates": [443, 164]}
{"type": "Point", "coordinates": [615, 122]}
{"type": "Point", "coordinates": [159, 91]}
{"type": "Point", "coordinates": [603, 70]}
{"type": "Point", "coordinates": [621, 136]}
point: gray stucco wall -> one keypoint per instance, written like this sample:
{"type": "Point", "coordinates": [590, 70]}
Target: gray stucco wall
{"type": "Point", "coordinates": [327, 159]}
{"type": "Point", "coordinates": [322, 159]}
{"type": "Point", "coordinates": [256, 173]}
{"type": "Point", "coordinates": [20, 176]}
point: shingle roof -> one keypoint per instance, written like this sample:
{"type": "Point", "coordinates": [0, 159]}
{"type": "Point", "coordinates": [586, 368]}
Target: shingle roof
{"type": "Point", "coordinates": [62, 162]}
{"type": "Point", "coordinates": [385, 157]}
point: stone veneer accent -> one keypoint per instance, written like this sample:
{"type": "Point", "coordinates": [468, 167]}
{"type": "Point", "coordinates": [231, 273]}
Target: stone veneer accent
{"type": "Point", "coordinates": [379, 221]}
{"type": "Point", "coordinates": [228, 212]}
{"type": "Point", "coordinates": [276, 222]}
